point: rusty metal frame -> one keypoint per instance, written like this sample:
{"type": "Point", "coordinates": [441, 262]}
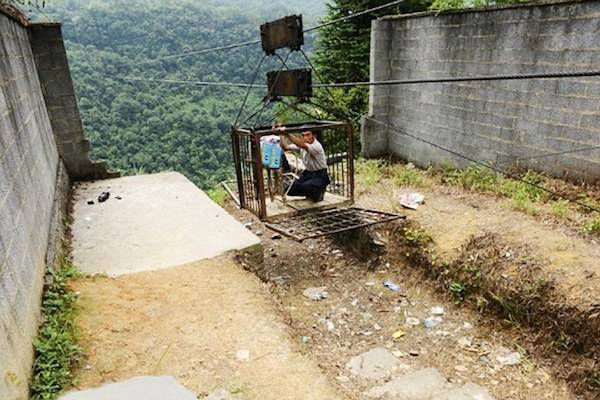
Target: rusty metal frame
{"type": "Point", "coordinates": [328, 222]}
{"type": "Point", "coordinates": [250, 176]}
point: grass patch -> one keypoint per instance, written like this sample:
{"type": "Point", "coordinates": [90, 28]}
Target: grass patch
{"type": "Point", "coordinates": [368, 173]}
{"type": "Point", "coordinates": [592, 226]}
{"type": "Point", "coordinates": [56, 349]}
{"type": "Point", "coordinates": [407, 175]}
{"type": "Point", "coordinates": [218, 194]}
{"type": "Point", "coordinates": [560, 208]}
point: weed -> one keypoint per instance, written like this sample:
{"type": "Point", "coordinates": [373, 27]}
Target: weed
{"type": "Point", "coordinates": [560, 208]}
{"type": "Point", "coordinates": [406, 175]}
{"type": "Point", "coordinates": [593, 378]}
{"type": "Point", "coordinates": [56, 349]}
{"type": "Point", "coordinates": [218, 194]}
{"type": "Point", "coordinates": [459, 290]}
{"type": "Point", "coordinates": [368, 173]}
{"type": "Point", "coordinates": [417, 237]}
{"type": "Point", "coordinates": [592, 226]}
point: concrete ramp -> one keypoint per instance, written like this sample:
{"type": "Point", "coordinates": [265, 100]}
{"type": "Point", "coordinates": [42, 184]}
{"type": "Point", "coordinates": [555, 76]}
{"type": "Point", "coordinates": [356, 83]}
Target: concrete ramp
{"type": "Point", "coordinates": [150, 222]}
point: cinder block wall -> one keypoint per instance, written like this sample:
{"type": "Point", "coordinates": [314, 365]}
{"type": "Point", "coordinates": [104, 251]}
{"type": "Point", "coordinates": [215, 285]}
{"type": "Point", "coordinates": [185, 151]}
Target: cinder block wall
{"type": "Point", "coordinates": [37, 110]}
{"type": "Point", "coordinates": [29, 167]}
{"type": "Point", "coordinates": [501, 122]}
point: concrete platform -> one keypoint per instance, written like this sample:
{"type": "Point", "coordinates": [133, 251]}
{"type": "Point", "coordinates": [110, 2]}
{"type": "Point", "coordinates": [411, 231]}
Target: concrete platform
{"type": "Point", "coordinates": [142, 387]}
{"type": "Point", "coordinates": [161, 221]}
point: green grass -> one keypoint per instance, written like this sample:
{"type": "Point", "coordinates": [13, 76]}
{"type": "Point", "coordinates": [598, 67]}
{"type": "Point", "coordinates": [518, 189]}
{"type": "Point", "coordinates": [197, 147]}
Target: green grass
{"type": "Point", "coordinates": [368, 172]}
{"type": "Point", "coordinates": [407, 175]}
{"type": "Point", "coordinates": [56, 349]}
{"type": "Point", "coordinates": [218, 194]}
{"type": "Point", "coordinates": [560, 208]}
{"type": "Point", "coordinates": [592, 226]}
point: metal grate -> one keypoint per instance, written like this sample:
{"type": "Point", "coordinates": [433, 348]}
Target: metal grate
{"type": "Point", "coordinates": [317, 224]}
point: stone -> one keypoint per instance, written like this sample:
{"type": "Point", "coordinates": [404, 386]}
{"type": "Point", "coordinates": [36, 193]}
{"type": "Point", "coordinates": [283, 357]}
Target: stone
{"type": "Point", "coordinates": [141, 387]}
{"type": "Point", "coordinates": [377, 363]}
{"type": "Point", "coordinates": [469, 391]}
{"type": "Point", "coordinates": [419, 385]}
{"type": "Point", "coordinates": [316, 293]}
{"type": "Point", "coordinates": [221, 394]}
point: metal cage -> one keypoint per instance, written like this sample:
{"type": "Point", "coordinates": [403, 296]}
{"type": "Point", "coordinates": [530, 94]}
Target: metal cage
{"type": "Point", "coordinates": [337, 140]}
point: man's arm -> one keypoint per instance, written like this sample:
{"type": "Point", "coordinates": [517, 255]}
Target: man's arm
{"type": "Point", "coordinates": [295, 140]}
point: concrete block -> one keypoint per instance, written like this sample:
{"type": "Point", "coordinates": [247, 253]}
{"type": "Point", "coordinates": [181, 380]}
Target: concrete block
{"type": "Point", "coordinates": [420, 385]}
{"type": "Point", "coordinates": [142, 387]}
{"type": "Point", "coordinates": [377, 363]}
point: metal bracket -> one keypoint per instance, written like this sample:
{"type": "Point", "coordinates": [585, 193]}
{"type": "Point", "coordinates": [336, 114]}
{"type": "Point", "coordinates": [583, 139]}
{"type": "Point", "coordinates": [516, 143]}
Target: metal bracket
{"type": "Point", "coordinates": [282, 33]}
{"type": "Point", "coordinates": [294, 83]}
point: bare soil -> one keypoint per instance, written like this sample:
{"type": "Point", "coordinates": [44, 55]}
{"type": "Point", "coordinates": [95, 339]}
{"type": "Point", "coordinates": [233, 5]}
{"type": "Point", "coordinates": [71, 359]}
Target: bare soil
{"type": "Point", "coordinates": [191, 322]}
{"type": "Point", "coordinates": [360, 313]}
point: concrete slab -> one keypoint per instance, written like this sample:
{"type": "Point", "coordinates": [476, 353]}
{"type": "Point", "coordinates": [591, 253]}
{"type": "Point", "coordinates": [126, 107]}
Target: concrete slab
{"type": "Point", "coordinates": [377, 363]}
{"type": "Point", "coordinates": [469, 391]}
{"type": "Point", "coordinates": [419, 385]}
{"type": "Point", "coordinates": [161, 221]}
{"type": "Point", "coordinates": [141, 387]}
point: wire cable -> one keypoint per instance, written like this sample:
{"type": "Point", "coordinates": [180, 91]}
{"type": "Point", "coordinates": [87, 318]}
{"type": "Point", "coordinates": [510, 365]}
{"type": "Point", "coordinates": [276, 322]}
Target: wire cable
{"type": "Point", "coordinates": [580, 150]}
{"type": "Point", "coordinates": [252, 42]}
{"type": "Point", "coordinates": [481, 163]}
{"type": "Point", "coordinates": [255, 75]}
{"type": "Point", "coordinates": [198, 83]}
{"type": "Point", "coordinates": [541, 75]}
{"type": "Point", "coordinates": [351, 16]}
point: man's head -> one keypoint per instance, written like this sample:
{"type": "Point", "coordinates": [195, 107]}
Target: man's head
{"type": "Point", "coordinates": [308, 137]}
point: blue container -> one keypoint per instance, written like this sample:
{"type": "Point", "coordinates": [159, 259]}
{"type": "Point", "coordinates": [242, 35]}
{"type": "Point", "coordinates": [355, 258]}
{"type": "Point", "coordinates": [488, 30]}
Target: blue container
{"type": "Point", "coordinates": [271, 155]}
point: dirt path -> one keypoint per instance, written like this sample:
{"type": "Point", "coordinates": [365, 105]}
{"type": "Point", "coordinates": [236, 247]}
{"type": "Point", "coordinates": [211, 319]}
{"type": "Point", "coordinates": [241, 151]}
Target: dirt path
{"type": "Point", "coordinates": [209, 324]}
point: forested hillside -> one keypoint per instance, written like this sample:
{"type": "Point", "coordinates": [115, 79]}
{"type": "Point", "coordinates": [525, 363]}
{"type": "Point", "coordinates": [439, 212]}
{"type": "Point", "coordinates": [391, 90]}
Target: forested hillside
{"type": "Point", "coordinates": [148, 127]}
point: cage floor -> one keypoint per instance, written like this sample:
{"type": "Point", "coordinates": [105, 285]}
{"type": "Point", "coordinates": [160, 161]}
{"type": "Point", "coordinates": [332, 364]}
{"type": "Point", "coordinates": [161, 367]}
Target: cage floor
{"type": "Point", "coordinates": [327, 222]}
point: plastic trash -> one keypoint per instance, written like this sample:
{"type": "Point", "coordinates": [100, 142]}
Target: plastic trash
{"type": "Point", "coordinates": [437, 310]}
{"type": "Point", "coordinates": [316, 293]}
{"type": "Point", "coordinates": [391, 285]}
{"type": "Point", "coordinates": [413, 321]}
{"type": "Point", "coordinates": [431, 322]}
{"type": "Point", "coordinates": [398, 334]}
{"type": "Point", "coordinates": [411, 200]}
{"type": "Point", "coordinates": [103, 197]}
{"type": "Point", "coordinates": [513, 358]}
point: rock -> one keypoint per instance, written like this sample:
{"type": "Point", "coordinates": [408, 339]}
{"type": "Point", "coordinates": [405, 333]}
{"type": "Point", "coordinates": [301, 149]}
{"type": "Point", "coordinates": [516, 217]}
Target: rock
{"type": "Point", "coordinates": [242, 355]}
{"type": "Point", "coordinates": [316, 293]}
{"type": "Point", "coordinates": [276, 236]}
{"type": "Point", "coordinates": [377, 363]}
{"type": "Point", "coordinates": [469, 391]}
{"type": "Point", "coordinates": [420, 385]}
{"type": "Point", "coordinates": [437, 310]}
{"type": "Point", "coordinates": [221, 394]}
{"type": "Point", "coordinates": [512, 358]}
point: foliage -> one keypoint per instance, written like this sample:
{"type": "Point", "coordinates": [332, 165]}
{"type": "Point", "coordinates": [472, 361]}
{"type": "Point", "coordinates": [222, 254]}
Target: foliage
{"type": "Point", "coordinates": [407, 175]}
{"type": "Point", "coordinates": [368, 173]}
{"type": "Point", "coordinates": [150, 127]}
{"type": "Point", "coordinates": [592, 226]}
{"type": "Point", "coordinates": [342, 52]}
{"type": "Point", "coordinates": [25, 3]}
{"type": "Point", "coordinates": [56, 349]}
{"type": "Point", "coordinates": [218, 194]}
{"type": "Point", "coordinates": [443, 5]}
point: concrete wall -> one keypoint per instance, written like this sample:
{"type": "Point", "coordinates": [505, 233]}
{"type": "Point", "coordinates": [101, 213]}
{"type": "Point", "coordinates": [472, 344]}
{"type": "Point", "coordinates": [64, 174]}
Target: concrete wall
{"type": "Point", "coordinates": [34, 182]}
{"type": "Point", "coordinates": [500, 122]}
{"type": "Point", "coordinates": [55, 77]}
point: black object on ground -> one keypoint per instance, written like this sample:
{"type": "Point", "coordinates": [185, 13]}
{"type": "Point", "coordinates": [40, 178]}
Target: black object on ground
{"type": "Point", "coordinates": [90, 202]}
{"type": "Point", "coordinates": [103, 197]}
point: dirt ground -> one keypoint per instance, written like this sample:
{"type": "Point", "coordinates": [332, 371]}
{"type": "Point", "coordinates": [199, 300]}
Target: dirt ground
{"type": "Point", "coordinates": [360, 314]}
{"type": "Point", "coordinates": [191, 321]}
{"type": "Point", "coordinates": [209, 324]}
{"type": "Point", "coordinates": [452, 215]}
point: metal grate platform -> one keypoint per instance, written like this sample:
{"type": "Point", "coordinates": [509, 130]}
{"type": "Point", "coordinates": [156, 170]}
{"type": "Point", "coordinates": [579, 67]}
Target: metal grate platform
{"type": "Point", "coordinates": [317, 224]}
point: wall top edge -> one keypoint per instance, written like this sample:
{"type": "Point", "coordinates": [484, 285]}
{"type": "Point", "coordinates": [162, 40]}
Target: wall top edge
{"type": "Point", "coordinates": [15, 13]}
{"type": "Point", "coordinates": [424, 14]}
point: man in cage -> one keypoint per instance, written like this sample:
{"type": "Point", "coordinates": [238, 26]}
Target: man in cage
{"type": "Point", "coordinates": [314, 179]}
